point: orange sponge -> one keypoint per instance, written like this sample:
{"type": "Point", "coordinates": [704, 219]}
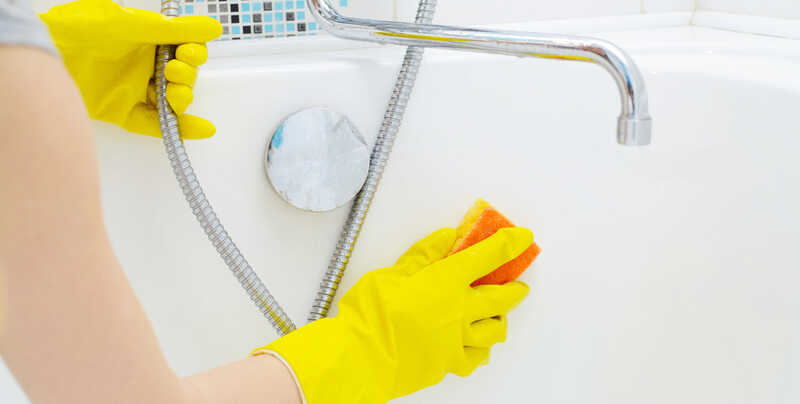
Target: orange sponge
{"type": "Point", "coordinates": [480, 222]}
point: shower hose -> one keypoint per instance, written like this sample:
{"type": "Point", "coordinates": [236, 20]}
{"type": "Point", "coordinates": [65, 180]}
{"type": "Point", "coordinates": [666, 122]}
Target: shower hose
{"type": "Point", "coordinates": [377, 163]}
{"type": "Point", "coordinates": [198, 202]}
{"type": "Point", "coordinates": [219, 237]}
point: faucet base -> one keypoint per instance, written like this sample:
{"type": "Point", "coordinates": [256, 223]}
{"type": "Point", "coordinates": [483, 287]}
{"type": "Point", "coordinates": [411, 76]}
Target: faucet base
{"type": "Point", "coordinates": [634, 131]}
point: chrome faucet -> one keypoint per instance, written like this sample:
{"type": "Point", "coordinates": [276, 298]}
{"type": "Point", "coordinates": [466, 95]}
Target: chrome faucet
{"type": "Point", "coordinates": [634, 123]}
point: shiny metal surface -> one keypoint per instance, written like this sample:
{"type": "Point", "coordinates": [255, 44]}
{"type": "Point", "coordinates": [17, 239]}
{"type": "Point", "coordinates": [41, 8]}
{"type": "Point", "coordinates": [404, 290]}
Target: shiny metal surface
{"type": "Point", "coordinates": [392, 119]}
{"type": "Point", "coordinates": [198, 202]}
{"type": "Point", "coordinates": [634, 126]}
{"type": "Point", "coordinates": [317, 160]}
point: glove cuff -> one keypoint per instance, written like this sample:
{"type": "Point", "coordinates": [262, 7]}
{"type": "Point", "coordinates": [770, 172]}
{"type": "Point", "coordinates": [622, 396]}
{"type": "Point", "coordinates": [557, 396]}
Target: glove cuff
{"type": "Point", "coordinates": [265, 351]}
{"type": "Point", "coordinates": [335, 363]}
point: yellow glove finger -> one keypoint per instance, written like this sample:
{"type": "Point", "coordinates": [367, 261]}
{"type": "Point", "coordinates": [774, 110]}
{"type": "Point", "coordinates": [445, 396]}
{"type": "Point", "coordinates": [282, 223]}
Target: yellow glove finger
{"type": "Point", "coordinates": [427, 251]}
{"type": "Point", "coordinates": [144, 120]}
{"type": "Point", "coordinates": [194, 54]}
{"type": "Point", "coordinates": [487, 332]}
{"type": "Point", "coordinates": [179, 96]}
{"type": "Point", "coordinates": [473, 358]}
{"type": "Point", "coordinates": [482, 258]}
{"type": "Point", "coordinates": [153, 28]}
{"type": "Point", "coordinates": [180, 72]}
{"type": "Point", "coordinates": [495, 300]}
{"type": "Point", "coordinates": [194, 127]}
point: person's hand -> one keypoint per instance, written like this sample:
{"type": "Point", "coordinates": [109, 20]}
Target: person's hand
{"type": "Point", "coordinates": [403, 328]}
{"type": "Point", "coordinates": [110, 53]}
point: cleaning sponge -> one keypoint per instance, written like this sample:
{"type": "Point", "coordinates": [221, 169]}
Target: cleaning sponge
{"type": "Point", "coordinates": [481, 221]}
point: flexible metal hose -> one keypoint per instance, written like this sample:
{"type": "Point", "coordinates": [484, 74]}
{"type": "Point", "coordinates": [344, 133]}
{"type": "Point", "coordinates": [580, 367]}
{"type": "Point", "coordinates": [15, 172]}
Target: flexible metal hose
{"type": "Point", "coordinates": [380, 155]}
{"type": "Point", "coordinates": [198, 202]}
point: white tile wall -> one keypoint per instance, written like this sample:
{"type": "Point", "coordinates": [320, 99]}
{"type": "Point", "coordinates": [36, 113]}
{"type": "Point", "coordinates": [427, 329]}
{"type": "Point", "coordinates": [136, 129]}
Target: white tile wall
{"type": "Point", "coordinates": [467, 12]}
{"type": "Point", "coordinates": [41, 6]}
{"type": "Point", "coordinates": [380, 9]}
{"type": "Point", "coordinates": [383, 9]}
{"type": "Point", "coordinates": [152, 5]}
{"type": "Point", "coordinates": [662, 6]}
{"type": "Point", "coordinates": [765, 8]}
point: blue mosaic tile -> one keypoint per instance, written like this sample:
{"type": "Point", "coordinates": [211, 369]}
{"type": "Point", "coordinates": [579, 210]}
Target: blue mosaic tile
{"type": "Point", "coordinates": [249, 19]}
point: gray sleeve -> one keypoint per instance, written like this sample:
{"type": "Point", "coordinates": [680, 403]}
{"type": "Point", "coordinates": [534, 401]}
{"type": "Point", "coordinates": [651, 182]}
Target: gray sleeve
{"type": "Point", "coordinates": [19, 25]}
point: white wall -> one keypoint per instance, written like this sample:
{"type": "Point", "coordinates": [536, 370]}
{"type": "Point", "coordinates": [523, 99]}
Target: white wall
{"type": "Point", "coordinates": [660, 6]}
{"type": "Point", "coordinates": [477, 11]}
{"type": "Point", "coordinates": [765, 8]}
{"type": "Point", "coordinates": [463, 12]}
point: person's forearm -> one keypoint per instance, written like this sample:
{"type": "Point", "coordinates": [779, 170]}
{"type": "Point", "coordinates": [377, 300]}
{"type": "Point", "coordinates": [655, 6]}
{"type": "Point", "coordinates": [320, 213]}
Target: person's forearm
{"type": "Point", "coordinates": [73, 330]}
{"type": "Point", "coordinates": [258, 380]}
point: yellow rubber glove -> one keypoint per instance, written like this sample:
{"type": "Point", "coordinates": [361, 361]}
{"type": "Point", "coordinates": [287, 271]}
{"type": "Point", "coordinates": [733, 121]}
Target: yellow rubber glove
{"type": "Point", "coordinates": [110, 52]}
{"type": "Point", "coordinates": [403, 328]}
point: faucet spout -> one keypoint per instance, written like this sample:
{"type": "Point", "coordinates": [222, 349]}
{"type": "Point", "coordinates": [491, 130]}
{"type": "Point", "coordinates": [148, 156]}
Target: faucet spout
{"type": "Point", "coordinates": [634, 123]}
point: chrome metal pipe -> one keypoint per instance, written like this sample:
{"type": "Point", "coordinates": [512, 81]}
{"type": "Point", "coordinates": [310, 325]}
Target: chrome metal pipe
{"type": "Point", "coordinates": [634, 123]}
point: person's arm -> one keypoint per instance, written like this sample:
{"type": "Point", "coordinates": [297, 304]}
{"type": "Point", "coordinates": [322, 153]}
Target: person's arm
{"type": "Point", "coordinates": [72, 329]}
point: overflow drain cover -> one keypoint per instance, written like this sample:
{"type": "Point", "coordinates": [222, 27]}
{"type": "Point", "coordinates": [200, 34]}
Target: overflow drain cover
{"type": "Point", "coordinates": [317, 160]}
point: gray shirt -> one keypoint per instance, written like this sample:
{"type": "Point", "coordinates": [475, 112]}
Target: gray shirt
{"type": "Point", "coordinates": [19, 25]}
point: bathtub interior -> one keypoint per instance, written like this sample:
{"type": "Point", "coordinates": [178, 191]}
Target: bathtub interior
{"type": "Point", "coordinates": [667, 271]}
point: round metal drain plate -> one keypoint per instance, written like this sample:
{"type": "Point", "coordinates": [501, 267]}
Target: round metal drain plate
{"type": "Point", "coordinates": [317, 160]}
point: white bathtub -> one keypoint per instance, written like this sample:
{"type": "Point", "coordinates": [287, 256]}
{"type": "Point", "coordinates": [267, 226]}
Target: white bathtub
{"type": "Point", "coordinates": [669, 273]}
